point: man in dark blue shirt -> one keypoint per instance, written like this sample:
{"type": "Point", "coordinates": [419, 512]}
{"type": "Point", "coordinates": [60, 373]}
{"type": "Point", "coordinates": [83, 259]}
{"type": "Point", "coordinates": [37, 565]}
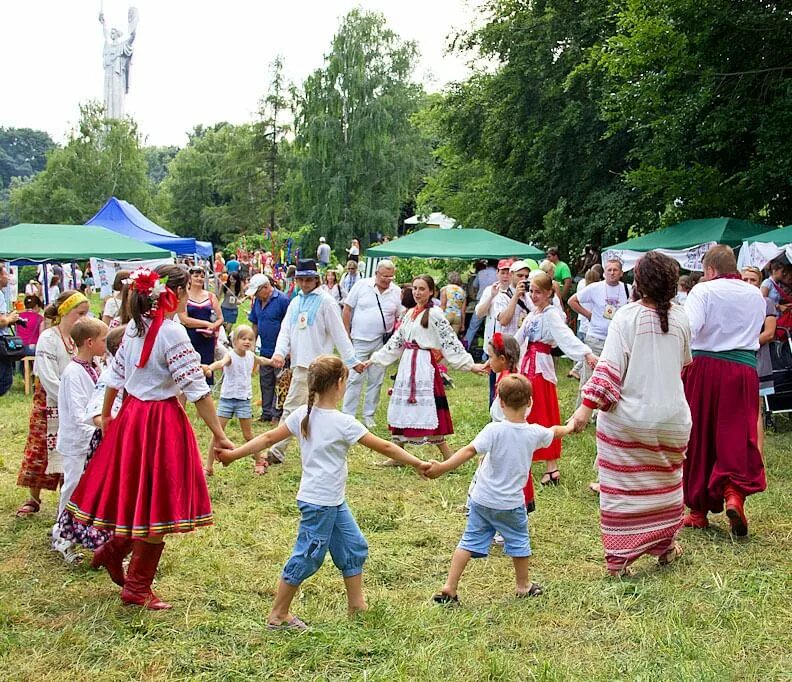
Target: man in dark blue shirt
{"type": "Point", "coordinates": [266, 314]}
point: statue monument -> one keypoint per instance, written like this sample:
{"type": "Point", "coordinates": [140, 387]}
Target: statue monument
{"type": "Point", "coordinates": [117, 56]}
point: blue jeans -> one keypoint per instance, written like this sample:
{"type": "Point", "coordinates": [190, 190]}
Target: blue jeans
{"type": "Point", "coordinates": [6, 376]}
{"type": "Point", "coordinates": [482, 523]}
{"type": "Point", "coordinates": [322, 529]}
{"type": "Point", "coordinates": [473, 326]}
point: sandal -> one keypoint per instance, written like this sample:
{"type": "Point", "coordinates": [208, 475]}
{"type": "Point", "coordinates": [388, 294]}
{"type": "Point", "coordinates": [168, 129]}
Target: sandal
{"type": "Point", "coordinates": [32, 506]}
{"type": "Point", "coordinates": [446, 599]}
{"type": "Point", "coordinates": [549, 479]}
{"type": "Point", "coordinates": [293, 624]}
{"type": "Point", "coordinates": [625, 572]}
{"type": "Point", "coordinates": [533, 591]}
{"type": "Point", "coordinates": [671, 555]}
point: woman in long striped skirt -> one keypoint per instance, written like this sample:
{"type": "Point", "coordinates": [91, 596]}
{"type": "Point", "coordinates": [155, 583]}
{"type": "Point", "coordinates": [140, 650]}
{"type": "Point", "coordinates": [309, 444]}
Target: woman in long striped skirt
{"type": "Point", "coordinates": [644, 422]}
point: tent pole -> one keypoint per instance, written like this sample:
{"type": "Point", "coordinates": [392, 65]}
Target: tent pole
{"type": "Point", "coordinates": [45, 284]}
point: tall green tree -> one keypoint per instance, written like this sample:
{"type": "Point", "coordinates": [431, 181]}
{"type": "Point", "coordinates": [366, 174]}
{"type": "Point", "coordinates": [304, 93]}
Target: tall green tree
{"type": "Point", "coordinates": [357, 152]}
{"type": "Point", "coordinates": [101, 159]}
{"type": "Point", "coordinates": [23, 153]}
{"type": "Point", "coordinates": [705, 91]}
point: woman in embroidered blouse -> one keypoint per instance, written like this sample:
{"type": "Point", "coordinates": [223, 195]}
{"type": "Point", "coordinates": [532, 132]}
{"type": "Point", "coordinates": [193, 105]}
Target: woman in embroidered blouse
{"type": "Point", "coordinates": [146, 479]}
{"type": "Point", "coordinates": [42, 467]}
{"type": "Point", "coordinates": [418, 409]}
{"type": "Point", "coordinates": [544, 329]}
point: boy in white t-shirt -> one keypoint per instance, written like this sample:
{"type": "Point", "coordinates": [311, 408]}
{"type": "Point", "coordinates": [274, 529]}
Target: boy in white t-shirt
{"type": "Point", "coordinates": [497, 503]}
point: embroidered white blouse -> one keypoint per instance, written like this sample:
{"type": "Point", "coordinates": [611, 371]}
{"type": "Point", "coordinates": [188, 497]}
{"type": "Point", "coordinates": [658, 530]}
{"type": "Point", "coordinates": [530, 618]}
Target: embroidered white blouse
{"type": "Point", "coordinates": [52, 359]}
{"type": "Point", "coordinates": [173, 366]}
{"type": "Point", "coordinates": [437, 335]}
{"type": "Point", "coordinates": [549, 326]}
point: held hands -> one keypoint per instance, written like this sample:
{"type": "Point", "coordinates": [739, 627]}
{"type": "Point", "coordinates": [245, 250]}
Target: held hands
{"type": "Point", "coordinates": [433, 470]}
{"type": "Point", "coordinates": [223, 450]}
{"type": "Point", "coordinates": [478, 368]}
{"type": "Point", "coordinates": [580, 419]}
{"type": "Point", "coordinates": [205, 369]}
{"type": "Point", "coordinates": [361, 367]}
{"type": "Point", "coordinates": [277, 361]}
{"type": "Point", "coordinates": [592, 360]}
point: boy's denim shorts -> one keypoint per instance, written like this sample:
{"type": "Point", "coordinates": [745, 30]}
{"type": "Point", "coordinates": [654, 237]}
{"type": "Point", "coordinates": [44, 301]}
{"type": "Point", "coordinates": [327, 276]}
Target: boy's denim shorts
{"type": "Point", "coordinates": [483, 522]}
{"type": "Point", "coordinates": [228, 408]}
{"type": "Point", "coordinates": [322, 529]}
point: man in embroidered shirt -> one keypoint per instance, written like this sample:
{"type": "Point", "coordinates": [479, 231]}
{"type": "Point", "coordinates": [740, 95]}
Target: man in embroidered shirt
{"type": "Point", "coordinates": [723, 462]}
{"type": "Point", "coordinates": [266, 315]}
{"type": "Point", "coordinates": [598, 303]}
{"type": "Point", "coordinates": [370, 312]}
{"type": "Point", "coordinates": [312, 327]}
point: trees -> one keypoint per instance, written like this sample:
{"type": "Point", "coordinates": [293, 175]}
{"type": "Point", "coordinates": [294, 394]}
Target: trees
{"type": "Point", "coordinates": [357, 152]}
{"type": "Point", "coordinates": [23, 153]}
{"type": "Point", "coordinates": [101, 159]}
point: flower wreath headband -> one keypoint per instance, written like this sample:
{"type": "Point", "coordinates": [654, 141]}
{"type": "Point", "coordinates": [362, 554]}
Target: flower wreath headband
{"type": "Point", "coordinates": [163, 300]}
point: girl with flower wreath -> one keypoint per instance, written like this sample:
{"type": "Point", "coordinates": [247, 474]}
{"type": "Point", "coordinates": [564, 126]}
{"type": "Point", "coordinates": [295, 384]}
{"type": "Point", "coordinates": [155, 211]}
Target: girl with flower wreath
{"type": "Point", "coordinates": [145, 479]}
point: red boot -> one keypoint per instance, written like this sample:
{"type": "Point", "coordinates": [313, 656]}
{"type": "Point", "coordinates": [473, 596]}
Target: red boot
{"type": "Point", "coordinates": [140, 575]}
{"type": "Point", "coordinates": [735, 511]}
{"type": "Point", "coordinates": [695, 519]}
{"type": "Point", "coordinates": [111, 555]}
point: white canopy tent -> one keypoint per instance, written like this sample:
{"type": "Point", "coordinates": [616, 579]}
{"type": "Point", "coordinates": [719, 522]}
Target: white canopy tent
{"type": "Point", "coordinates": [435, 219]}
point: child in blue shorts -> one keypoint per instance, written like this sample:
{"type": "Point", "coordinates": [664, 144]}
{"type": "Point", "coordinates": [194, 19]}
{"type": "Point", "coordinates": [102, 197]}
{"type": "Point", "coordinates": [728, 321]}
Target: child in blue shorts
{"type": "Point", "coordinates": [326, 522]}
{"type": "Point", "coordinates": [497, 503]}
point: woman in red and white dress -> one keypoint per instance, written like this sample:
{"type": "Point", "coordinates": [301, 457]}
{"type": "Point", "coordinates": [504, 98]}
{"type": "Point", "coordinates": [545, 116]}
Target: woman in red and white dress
{"type": "Point", "coordinates": [542, 330]}
{"type": "Point", "coordinates": [418, 409]}
{"type": "Point", "coordinates": [145, 479]}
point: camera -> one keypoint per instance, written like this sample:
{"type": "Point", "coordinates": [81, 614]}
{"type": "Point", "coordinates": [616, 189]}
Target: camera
{"type": "Point", "coordinates": [22, 322]}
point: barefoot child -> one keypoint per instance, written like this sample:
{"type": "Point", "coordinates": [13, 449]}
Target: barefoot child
{"type": "Point", "coordinates": [236, 393]}
{"type": "Point", "coordinates": [496, 502]}
{"type": "Point", "coordinates": [74, 435]}
{"type": "Point", "coordinates": [326, 523]}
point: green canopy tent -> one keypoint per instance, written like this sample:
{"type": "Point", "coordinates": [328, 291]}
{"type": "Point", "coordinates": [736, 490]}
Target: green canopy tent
{"type": "Point", "coordinates": [686, 242]}
{"type": "Point", "coordinates": [33, 244]}
{"type": "Point", "coordinates": [760, 249]}
{"type": "Point", "coordinates": [466, 244]}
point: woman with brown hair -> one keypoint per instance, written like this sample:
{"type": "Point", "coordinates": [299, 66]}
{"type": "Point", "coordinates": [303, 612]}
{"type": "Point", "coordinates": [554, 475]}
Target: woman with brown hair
{"type": "Point", "coordinates": [418, 409]}
{"type": "Point", "coordinates": [145, 479]}
{"type": "Point", "coordinates": [202, 316]}
{"type": "Point", "coordinates": [113, 310]}
{"type": "Point", "coordinates": [644, 420]}
{"type": "Point", "coordinates": [42, 467]}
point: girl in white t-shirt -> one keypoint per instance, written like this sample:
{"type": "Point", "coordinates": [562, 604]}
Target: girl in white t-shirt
{"type": "Point", "coordinates": [326, 523]}
{"type": "Point", "coordinates": [236, 392]}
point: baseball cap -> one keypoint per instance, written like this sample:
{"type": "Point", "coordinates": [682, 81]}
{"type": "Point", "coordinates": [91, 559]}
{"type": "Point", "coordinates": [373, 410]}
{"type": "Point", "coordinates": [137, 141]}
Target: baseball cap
{"type": "Point", "coordinates": [519, 265]}
{"type": "Point", "coordinates": [504, 263]}
{"type": "Point", "coordinates": [322, 239]}
{"type": "Point", "coordinates": [255, 283]}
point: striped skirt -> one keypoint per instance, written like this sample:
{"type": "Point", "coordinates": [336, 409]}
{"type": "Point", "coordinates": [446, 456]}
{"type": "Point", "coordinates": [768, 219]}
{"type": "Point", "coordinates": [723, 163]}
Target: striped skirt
{"type": "Point", "coordinates": [641, 498]}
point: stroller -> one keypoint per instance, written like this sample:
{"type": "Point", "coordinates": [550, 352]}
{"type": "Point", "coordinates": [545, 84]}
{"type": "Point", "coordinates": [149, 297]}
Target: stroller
{"type": "Point", "coordinates": [780, 402]}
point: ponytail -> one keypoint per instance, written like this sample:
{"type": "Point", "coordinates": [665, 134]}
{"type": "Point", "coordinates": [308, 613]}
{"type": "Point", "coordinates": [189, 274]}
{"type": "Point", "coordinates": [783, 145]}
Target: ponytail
{"type": "Point", "coordinates": [662, 311]}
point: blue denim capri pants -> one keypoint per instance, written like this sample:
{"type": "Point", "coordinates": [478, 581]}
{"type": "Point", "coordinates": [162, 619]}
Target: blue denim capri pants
{"type": "Point", "coordinates": [322, 529]}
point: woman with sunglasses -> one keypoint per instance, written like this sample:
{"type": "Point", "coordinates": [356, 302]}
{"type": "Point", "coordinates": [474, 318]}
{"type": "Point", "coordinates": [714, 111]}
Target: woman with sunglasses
{"type": "Point", "coordinates": [202, 318]}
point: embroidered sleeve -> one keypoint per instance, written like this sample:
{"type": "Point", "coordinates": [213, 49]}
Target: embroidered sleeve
{"type": "Point", "coordinates": [46, 364]}
{"type": "Point", "coordinates": [184, 365]}
{"type": "Point", "coordinates": [450, 345]}
{"type": "Point", "coordinates": [603, 389]}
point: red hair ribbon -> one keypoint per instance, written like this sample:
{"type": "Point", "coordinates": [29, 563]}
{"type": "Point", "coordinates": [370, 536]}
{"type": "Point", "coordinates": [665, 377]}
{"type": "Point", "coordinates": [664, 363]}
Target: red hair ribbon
{"type": "Point", "coordinates": [497, 343]}
{"type": "Point", "coordinates": [166, 303]}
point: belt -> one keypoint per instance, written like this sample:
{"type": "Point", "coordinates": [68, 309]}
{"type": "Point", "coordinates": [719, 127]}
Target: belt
{"type": "Point", "coordinates": [528, 367]}
{"type": "Point", "coordinates": [742, 357]}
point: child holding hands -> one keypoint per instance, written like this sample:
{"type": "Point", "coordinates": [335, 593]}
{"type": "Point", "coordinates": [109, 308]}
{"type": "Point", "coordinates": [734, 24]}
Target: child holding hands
{"type": "Point", "coordinates": [325, 435]}
{"type": "Point", "coordinates": [496, 502]}
{"type": "Point", "coordinates": [236, 393]}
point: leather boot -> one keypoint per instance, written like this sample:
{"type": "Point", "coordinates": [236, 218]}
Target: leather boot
{"type": "Point", "coordinates": [111, 556]}
{"type": "Point", "coordinates": [140, 575]}
{"type": "Point", "coordinates": [735, 511]}
{"type": "Point", "coordinates": [695, 519]}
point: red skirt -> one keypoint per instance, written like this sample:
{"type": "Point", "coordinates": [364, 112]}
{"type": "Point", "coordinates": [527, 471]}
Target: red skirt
{"type": "Point", "coordinates": [545, 412]}
{"type": "Point", "coordinates": [445, 426]}
{"type": "Point", "coordinates": [723, 448]}
{"type": "Point", "coordinates": [145, 478]}
{"type": "Point", "coordinates": [36, 457]}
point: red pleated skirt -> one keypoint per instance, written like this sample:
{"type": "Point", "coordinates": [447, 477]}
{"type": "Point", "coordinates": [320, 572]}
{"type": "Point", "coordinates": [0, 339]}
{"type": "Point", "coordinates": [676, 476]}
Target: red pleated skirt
{"type": "Point", "coordinates": [146, 477]}
{"type": "Point", "coordinates": [723, 446]}
{"type": "Point", "coordinates": [445, 426]}
{"type": "Point", "coordinates": [545, 412]}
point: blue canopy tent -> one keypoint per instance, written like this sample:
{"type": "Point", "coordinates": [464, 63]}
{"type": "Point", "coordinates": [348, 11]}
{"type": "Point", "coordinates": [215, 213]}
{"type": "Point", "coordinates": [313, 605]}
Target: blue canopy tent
{"type": "Point", "coordinates": [123, 218]}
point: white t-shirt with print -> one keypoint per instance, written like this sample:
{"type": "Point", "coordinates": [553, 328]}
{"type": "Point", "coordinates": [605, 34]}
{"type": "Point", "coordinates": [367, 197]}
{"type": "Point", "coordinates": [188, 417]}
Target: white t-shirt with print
{"type": "Point", "coordinates": [324, 453]}
{"type": "Point", "coordinates": [503, 473]}
{"type": "Point", "coordinates": [603, 301]}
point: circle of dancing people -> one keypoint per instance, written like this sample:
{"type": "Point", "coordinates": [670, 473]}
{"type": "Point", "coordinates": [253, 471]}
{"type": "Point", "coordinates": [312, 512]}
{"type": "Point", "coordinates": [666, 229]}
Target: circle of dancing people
{"type": "Point", "coordinates": [674, 388]}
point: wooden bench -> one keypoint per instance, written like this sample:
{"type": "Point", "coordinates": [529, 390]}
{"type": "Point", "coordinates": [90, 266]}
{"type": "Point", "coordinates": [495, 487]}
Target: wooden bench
{"type": "Point", "coordinates": [27, 363]}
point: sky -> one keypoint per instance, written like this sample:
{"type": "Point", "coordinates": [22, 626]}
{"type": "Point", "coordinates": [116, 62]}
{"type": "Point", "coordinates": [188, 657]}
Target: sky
{"type": "Point", "coordinates": [195, 62]}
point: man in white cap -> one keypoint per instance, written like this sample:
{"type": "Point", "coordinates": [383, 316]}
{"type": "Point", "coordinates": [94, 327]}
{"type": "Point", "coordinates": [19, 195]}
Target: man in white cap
{"type": "Point", "coordinates": [370, 313]}
{"type": "Point", "coordinates": [312, 327]}
{"type": "Point", "coordinates": [266, 314]}
{"type": "Point", "coordinates": [323, 253]}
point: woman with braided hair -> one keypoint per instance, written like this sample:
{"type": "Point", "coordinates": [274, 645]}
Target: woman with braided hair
{"type": "Point", "coordinates": [145, 479]}
{"type": "Point", "coordinates": [644, 421]}
{"type": "Point", "coordinates": [326, 522]}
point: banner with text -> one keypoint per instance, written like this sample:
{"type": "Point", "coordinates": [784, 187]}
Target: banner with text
{"type": "Point", "coordinates": [689, 259]}
{"type": "Point", "coordinates": [104, 271]}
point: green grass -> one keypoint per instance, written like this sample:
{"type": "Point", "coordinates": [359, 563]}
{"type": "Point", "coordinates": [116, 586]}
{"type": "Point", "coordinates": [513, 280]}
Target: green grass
{"type": "Point", "coordinates": [720, 613]}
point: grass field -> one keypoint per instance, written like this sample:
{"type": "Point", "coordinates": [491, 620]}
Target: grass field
{"type": "Point", "coordinates": [721, 613]}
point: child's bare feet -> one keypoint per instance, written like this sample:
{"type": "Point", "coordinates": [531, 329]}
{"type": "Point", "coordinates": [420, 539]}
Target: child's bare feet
{"type": "Point", "coordinates": [354, 609]}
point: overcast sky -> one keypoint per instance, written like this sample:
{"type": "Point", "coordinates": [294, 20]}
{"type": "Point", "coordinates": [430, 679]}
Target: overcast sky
{"type": "Point", "coordinates": [196, 61]}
